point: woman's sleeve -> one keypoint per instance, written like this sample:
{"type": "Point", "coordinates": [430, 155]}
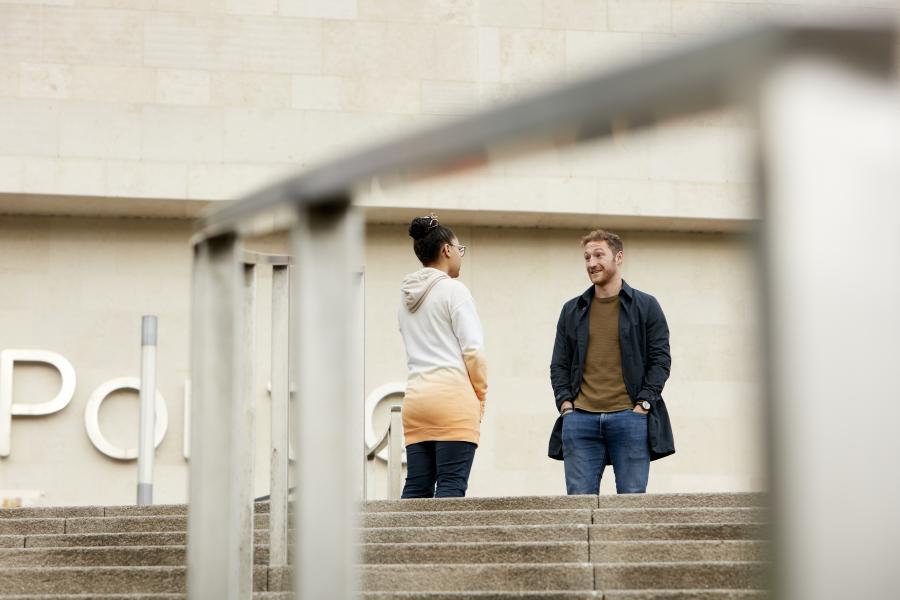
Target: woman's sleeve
{"type": "Point", "coordinates": [467, 328]}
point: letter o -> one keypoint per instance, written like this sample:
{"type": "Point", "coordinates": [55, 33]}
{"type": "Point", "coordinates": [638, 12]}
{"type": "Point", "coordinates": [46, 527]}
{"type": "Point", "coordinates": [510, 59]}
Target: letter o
{"type": "Point", "coordinates": [92, 418]}
{"type": "Point", "coordinates": [397, 388]}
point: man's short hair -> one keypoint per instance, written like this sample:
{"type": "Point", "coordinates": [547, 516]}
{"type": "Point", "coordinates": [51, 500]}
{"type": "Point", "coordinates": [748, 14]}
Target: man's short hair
{"type": "Point", "coordinates": [601, 235]}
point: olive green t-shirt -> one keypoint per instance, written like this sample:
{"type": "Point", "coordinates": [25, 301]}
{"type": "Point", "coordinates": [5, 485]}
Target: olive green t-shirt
{"type": "Point", "coordinates": [602, 385]}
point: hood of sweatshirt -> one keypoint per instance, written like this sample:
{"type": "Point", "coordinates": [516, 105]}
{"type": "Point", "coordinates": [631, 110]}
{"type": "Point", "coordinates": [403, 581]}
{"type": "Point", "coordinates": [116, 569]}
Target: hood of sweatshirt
{"type": "Point", "coordinates": [415, 286]}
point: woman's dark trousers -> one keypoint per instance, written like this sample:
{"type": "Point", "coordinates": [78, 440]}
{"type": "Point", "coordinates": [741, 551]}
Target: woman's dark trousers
{"type": "Point", "coordinates": [438, 469]}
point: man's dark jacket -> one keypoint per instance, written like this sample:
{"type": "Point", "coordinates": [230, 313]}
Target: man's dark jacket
{"type": "Point", "coordinates": [644, 342]}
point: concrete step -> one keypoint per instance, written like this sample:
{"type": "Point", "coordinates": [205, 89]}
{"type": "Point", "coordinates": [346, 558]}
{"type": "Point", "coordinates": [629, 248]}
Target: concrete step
{"type": "Point", "coordinates": [164, 509]}
{"type": "Point", "coordinates": [480, 504]}
{"type": "Point", "coordinates": [680, 531]}
{"type": "Point", "coordinates": [679, 515]}
{"type": "Point", "coordinates": [552, 595]}
{"type": "Point", "coordinates": [686, 595]}
{"type": "Point", "coordinates": [141, 523]}
{"type": "Point", "coordinates": [754, 499]}
{"type": "Point", "coordinates": [162, 596]}
{"type": "Point", "coordinates": [575, 595]}
{"type": "Point", "coordinates": [12, 541]}
{"type": "Point", "coordinates": [32, 526]}
{"type": "Point", "coordinates": [52, 512]}
{"type": "Point", "coordinates": [679, 551]}
{"type": "Point", "coordinates": [66, 512]}
{"type": "Point", "coordinates": [459, 533]}
{"type": "Point", "coordinates": [417, 553]}
{"type": "Point", "coordinates": [105, 556]}
{"type": "Point", "coordinates": [163, 538]}
{"type": "Point", "coordinates": [476, 518]}
{"type": "Point", "coordinates": [476, 553]}
{"type": "Point", "coordinates": [42, 581]}
{"type": "Point", "coordinates": [445, 578]}
{"type": "Point", "coordinates": [698, 500]}
{"type": "Point", "coordinates": [682, 575]}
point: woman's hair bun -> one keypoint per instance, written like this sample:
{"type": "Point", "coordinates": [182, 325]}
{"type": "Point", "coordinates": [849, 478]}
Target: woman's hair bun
{"type": "Point", "coordinates": [421, 226]}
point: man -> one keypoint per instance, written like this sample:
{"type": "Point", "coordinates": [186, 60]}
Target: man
{"type": "Point", "coordinates": [610, 363]}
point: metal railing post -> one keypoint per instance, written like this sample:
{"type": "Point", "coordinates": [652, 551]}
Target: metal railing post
{"type": "Point", "coordinates": [395, 455]}
{"type": "Point", "coordinates": [147, 428]}
{"type": "Point", "coordinates": [218, 352]}
{"type": "Point", "coordinates": [244, 425]}
{"type": "Point", "coordinates": [278, 495]}
{"type": "Point", "coordinates": [326, 241]}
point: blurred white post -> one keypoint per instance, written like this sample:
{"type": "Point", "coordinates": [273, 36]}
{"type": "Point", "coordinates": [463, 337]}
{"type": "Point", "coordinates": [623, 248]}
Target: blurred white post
{"type": "Point", "coordinates": [831, 144]}
{"type": "Point", "coordinates": [326, 242]}
{"type": "Point", "coordinates": [395, 454]}
{"type": "Point", "coordinates": [146, 448]}
{"type": "Point", "coordinates": [218, 355]}
{"type": "Point", "coordinates": [278, 496]}
{"type": "Point", "coordinates": [358, 343]}
{"type": "Point", "coordinates": [244, 425]}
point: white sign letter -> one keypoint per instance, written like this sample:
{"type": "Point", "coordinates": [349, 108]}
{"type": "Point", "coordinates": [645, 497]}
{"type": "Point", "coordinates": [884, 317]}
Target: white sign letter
{"type": "Point", "coordinates": [92, 421]}
{"type": "Point", "coordinates": [8, 358]}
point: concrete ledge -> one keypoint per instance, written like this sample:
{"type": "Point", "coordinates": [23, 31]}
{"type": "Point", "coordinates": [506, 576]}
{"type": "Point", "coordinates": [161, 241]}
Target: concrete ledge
{"type": "Point", "coordinates": [161, 596]}
{"type": "Point", "coordinates": [682, 575]}
{"type": "Point", "coordinates": [484, 517]}
{"type": "Point", "coordinates": [102, 580]}
{"type": "Point", "coordinates": [150, 538]}
{"type": "Point", "coordinates": [50, 512]}
{"type": "Point", "coordinates": [680, 531]}
{"type": "Point", "coordinates": [679, 551]}
{"type": "Point", "coordinates": [717, 500]}
{"type": "Point", "coordinates": [12, 541]}
{"type": "Point", "coordinates": [438, 578]}
{"type": "Point", "coordinates": [554, 595]}
{"type": "Point", "coordinates": [686, 595]}
{"type": "Point", "coordinates": [162, 510]}
{"type": "Point", "coordinates": [457, 534]}
{"type": "Point", "coordinates": [107, 556]}
{"type": "Point", "coordinates": [679, 515]}
{"type": "Point", "coordinates": [481, 504]}
{"type": "Point", "coordinates": [475, 553]}
{"type": "Point", "coordinates": [31, 526]}
{"type": "Point", "coordinates": [162, 538]}
{"type": "Point", "coordinates": [150, 523]}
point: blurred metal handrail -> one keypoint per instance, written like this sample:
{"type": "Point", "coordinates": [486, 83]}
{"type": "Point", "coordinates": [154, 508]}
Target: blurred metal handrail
{"type": "Point", "coordinates": [704, 74]}
{"type": "Point", "coordinates": [392, 438]}
{"type": "Point", "coordinates": [326, 237]}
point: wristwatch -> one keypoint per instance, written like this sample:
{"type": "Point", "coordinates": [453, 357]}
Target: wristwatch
{"type": "Point", "coordinates": [643, 404]}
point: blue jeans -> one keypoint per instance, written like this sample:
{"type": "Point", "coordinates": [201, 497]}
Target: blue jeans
{"type": "Point", "coordinates": [446, 464]}
{"type": "Point", "coordinates": [590, 440]}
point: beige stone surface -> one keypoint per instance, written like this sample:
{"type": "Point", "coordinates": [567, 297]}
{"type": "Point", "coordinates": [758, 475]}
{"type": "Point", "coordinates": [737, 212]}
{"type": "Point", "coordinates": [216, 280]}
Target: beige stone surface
{"type": "Point", "coordinates": [113, 84]}
{"type": "Point", "coordinates": [640, 15]}
{"type": "Point", "coordinates": [45, 80]}
{"type": "Point", "coordinates": [319, 9]}
{"type": "Point", "coordinates": [591, 15]}
{"type": "Point", "coordinates": [93, 279]}
{"type": "Point", "coordinates": [20, 28]}
{"type": "Point", "coordinates": [250, 90]}
{"type": "Point", "coordinates": [106, 37]}
{"type": "Point", "coordinates": [379, 68]}
{"type": "Point", "coordinates": [176, 86]}
{"type": "Point", "coordinates": [153, 107]}
{"type": "Point", "coordinates": [87, 130]}
{"type": "Point", "coordinates": [510, 13]}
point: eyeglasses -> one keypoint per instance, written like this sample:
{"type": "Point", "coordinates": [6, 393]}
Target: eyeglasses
{"type": "Point", "coordinates": [462, 249]}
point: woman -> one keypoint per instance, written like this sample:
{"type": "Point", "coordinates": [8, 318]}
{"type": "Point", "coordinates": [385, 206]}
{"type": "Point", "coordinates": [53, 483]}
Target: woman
{"type": "Point", "coordinates": [447, 384]}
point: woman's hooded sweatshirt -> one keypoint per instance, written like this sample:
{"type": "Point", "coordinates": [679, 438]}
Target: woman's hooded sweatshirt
{"type": "Point", "coordinates": [447, 383]}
